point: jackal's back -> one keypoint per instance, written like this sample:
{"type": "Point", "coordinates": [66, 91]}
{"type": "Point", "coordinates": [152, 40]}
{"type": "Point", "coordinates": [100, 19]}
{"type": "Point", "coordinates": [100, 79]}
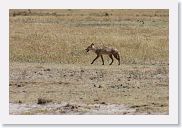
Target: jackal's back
{"type": "Point", "coordinates": [106, 50]}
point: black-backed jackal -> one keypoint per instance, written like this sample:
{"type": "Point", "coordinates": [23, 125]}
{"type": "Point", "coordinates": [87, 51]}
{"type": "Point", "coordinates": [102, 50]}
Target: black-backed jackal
{"type": "Point", "coordinates": [104, 50]}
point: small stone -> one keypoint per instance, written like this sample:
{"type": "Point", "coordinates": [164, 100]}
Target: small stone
{"type": "Point", "coordinates": [48, 69]}
{"type": "Point", "coordinates": [19, 85]}
{"type": "Point", "coordinates": [124, 113]}
{"type": "Point", "coordinates": [100, 86]}
{"type": "Point", "coordinates": [19, 101]}
{"type": "Point", "coordinates": [102, 103]}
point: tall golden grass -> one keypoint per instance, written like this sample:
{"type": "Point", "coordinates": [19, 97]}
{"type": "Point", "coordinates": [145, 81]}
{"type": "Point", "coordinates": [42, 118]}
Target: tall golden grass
{"type": "Point", "coordinates": [60, 36]}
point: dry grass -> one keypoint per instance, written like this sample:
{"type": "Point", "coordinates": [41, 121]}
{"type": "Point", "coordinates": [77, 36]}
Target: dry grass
{"type": "Point", "coordinates": [62, 35]}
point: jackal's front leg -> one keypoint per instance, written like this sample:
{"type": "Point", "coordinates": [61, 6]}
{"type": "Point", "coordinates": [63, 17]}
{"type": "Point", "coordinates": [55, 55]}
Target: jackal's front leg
{"type": "Point", "coordinates": [95, 59]}
{"type": "Point", "coordinates": [111, 59]}
{"type": "Point", "coordinates": [102, 60]}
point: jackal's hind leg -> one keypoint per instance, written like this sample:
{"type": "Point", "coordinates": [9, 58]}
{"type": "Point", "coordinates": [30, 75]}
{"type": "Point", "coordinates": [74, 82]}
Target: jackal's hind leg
{"type": "Point", "coordinates": [95, 59]}
{"type": "Point", "coordinates": [102, 60]}
{"type": "Point", "coordinates": [117, 57]}
{"type": "Point", "coordinates": [111, 59]}
{"type": "Point", "coordinates": [119, 61]}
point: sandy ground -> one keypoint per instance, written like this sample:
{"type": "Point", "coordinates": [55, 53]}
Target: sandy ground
{"type": "Point", "coordinates": [77, 89]}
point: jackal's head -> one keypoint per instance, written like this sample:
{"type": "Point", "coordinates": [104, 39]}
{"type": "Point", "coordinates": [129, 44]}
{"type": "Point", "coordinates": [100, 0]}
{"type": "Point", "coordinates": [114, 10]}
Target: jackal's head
{"type": "Point", "coordinates": [90, 47]}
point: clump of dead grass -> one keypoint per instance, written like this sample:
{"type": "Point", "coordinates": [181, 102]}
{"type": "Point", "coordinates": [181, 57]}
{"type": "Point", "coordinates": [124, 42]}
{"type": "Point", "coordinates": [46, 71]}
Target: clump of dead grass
{"type": "Point", "coordinates": [43, 101]}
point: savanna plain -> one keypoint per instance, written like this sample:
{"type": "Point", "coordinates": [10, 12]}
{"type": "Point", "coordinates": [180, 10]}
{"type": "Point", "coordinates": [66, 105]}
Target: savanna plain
{"type": "Point", "coordinates": [50, 70]}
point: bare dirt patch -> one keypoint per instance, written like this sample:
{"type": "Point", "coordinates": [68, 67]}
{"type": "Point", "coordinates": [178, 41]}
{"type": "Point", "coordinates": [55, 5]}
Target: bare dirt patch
{"type": "Point", "coordinates": [78, 89]}
{"type": "Point", "coordinates": [70, 109]}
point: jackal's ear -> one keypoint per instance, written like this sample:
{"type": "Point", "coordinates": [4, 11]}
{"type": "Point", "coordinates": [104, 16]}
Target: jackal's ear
{"type": "Point", "coordinates": [92, 44]}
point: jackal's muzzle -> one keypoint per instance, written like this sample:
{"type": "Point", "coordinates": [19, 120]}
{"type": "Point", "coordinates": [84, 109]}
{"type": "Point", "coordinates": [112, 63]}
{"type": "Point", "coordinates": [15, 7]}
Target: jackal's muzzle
{"type": "Point", "coordinates": [87, 50]}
